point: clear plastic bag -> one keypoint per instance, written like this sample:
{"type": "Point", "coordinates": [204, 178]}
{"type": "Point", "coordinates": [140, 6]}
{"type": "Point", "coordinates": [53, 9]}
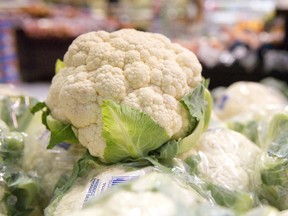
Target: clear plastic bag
{"type": "Point", "coordinates": [91, 178]}
{"type": "Point", "coordinates": [225, 161]}
{"type": "Point", "coordinates": [155, 193]}
{"type": "Point", "coordinates": [28, 170]}
{"type": "Point", "coordinates": [273, 165]}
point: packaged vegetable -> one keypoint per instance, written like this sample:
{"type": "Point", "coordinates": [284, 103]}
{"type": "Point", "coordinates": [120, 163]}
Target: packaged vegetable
{"type": "Point", "coordinates": [155, 193]}
{"type": "Point", "coordinates": [247, 107]}
{"type": "Point", "coordinates": [29, 172]}
{"type": "Point", "coordinates": [90, 179]}
{"type": "Point", "coordinates": [247, 98]}
{"type": "Point", "coordinates": [273, 166]}
{"type": "Point", "coordinates": [225, 160]}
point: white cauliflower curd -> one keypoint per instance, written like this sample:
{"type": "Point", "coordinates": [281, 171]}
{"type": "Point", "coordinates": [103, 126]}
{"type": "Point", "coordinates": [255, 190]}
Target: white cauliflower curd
{"type": "Point", "coordinates": [141, 70]}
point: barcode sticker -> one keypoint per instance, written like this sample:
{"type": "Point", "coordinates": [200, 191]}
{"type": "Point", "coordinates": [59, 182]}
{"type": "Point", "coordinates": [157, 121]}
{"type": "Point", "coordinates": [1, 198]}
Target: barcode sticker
{"type": "Point", "coordinates": [107, 180]}
{"type": "Point", "coordinates": [120, 179]}
{"type": "Point", "coordinates": [92, 189]}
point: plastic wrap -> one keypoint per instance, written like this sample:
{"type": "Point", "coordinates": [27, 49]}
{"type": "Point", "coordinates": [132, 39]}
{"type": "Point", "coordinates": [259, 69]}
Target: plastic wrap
{"type": "Point", "coordinates": [245, 97]}
{"type": "Point", "coordinates": [14, 107]}
{"type": "Point", "coordinates": [263, 120]}
{"type": "Point", "coordinates": [19, 191]}
{"type": "Point", "coordinates": [90, 179]}
{"type": "Point", "coordinates": [225, 160]}
{"type": "Point", "coordinates": [28, 171]}
{"type": "Point", "coordinates": [247, 107]}
{"type": "Point", "coordinates": [273, 166]}
{"type": "Point", "coordinates": [273, 188]}
{"type": "Point", "coordinates": [153, 194]}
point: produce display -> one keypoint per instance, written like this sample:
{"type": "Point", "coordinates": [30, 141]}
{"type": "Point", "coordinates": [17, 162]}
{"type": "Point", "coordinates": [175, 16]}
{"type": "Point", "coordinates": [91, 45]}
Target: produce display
{"type": "Point", "coordinates": [130, 127]}
{"type": "Point", "coordinates": [29, 172]}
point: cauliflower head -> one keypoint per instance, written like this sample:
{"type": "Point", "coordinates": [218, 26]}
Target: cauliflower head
{"type": "Point", "coordinates": [248, 98]}
{"type": "Point", "coordinates": [141, 70]}
{"type": "Point", "coordinates": [228, 158]}
{"type": "Point", "coordinates": [151, 194]}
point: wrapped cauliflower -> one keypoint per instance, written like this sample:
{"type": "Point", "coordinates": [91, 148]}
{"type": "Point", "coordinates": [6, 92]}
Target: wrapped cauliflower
{"type": "Point", "coordinates": [247, 98]}
{"type": "Point", "coordinates": [247, 107]}
{"type": "Point", "coordinates": [126, 93]}
{"type": "Point", "coordinates": [28, 171]}
{"type": "Point", "coordinates": [273, 166]}
{"type": "Point", "coordinates": [91, 179]}
{"type": "Point", "coordinates": [225, 160]}
{"type": "Point", "coordinates": [152, 194]}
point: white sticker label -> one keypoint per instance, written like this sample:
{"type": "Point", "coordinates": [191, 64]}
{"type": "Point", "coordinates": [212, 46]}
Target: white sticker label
{"type": "Point", "coordinates": [105, 181]}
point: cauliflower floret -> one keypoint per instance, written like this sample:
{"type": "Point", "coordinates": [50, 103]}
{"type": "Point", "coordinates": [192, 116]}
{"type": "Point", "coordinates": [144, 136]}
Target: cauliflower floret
{"type": "Point", "coordinates": [137, 74]}
{"type": "Point", "coordinates": [144, 70]}
{"type": "Point", "coordinates": [91, 138]}
{"type": "Point", "coordinates": [163, 108]}
{"type": "Point", "coordinates": [110, 83]}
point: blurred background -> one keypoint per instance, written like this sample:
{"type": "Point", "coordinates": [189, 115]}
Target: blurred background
{"type": "Point", "coordinates": [234, 40]}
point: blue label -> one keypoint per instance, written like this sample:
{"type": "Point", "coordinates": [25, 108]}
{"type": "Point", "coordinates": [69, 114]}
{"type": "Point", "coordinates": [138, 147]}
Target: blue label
{"type": "Point", "coordinates": [92, 189]}
{"type": "Point", "coordinates": [120, 179]}
{"type": "Point", "coordinates": [222, 102]}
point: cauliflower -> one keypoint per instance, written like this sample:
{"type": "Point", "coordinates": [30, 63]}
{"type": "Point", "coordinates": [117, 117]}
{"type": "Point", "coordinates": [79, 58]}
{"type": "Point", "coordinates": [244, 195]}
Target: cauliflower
{"type": "Point", "coordinates": [243, 108]}
{"type": "Point", "coordinates": [227, 158]}
{"type": "Point", "coordinates": [48, 165]}
{"type": "Point", "coordinates": [96, 182]}
{"type": "Point", "coordinates": [151, 194]}
{"type": "Point", "coordinates": [247, 99]}
{"type": "Point", "coordinates": [225, 162]}
{"type": "Point", "coordinates": [143, 75]}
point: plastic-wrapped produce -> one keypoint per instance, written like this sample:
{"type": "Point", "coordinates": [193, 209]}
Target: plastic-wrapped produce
{"type": "Point", "coordinates": [245, 97]}
{"type": "Point", "coordinates": [247, 107]}
{"type": "Point", "coordinates": [29, 172]}
{"type": "Point", "coordinates": [47, 165]}
{"type": "Point", "coordinates": [273, 166]}
{"type": "Point", "coordinates": [152, 194]}
{"type": "Point", "coordinates": [11, 144]}
{"type": "Point", "coordinates": [225, 160]}
{"type": "Point", "coordinates": [91, 178]}
{"type": "Point", "coordinates": [35, 173]}
{"type": "Point", "coordinates": [15, 107]}
{"type": "Point", "coordinates": [19, 192]}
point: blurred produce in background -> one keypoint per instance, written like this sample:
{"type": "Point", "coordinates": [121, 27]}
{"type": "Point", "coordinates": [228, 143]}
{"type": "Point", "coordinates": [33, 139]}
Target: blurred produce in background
{"type": "Point", "coordinates": [234, 40]}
